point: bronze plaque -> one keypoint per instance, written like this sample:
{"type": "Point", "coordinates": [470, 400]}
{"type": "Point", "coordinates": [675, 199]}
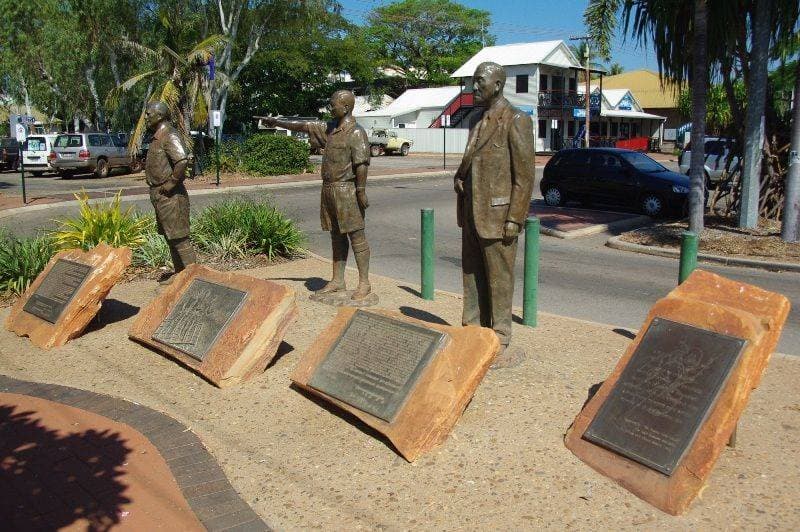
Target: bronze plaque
{"type": "Point", "coordinates": [375, 362]}
{"type": "Point", "coordinates": [200, 316]}
{"type": "Point", "coordinates": [665, 393]}
{"type": "Point", "coordinates": [57, 289]}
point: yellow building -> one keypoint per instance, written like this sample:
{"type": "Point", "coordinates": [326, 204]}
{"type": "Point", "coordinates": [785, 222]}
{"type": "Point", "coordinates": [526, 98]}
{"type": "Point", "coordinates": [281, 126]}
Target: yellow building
{"type": "Point", "coordinates": [652, 96]}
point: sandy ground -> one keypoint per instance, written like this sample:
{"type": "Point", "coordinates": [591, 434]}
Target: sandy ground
{"type": "Point", "coordinates": [303, 466]}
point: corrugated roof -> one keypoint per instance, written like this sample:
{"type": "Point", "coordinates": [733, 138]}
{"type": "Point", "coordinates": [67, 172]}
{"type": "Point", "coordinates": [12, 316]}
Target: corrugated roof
{"type": "Point", "coordinates": [416, 99]}
{"type": "Point", "coordinates": [645, 86]}
{"type": "Point", "coordinates": [527, 53]}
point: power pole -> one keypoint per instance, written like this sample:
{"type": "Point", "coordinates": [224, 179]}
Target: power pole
{"type": "Point", "coordinates": [585, 39]}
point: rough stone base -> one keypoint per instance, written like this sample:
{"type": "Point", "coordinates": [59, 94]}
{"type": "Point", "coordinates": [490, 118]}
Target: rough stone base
{"type": "Point", "coordinates": [440, 395]}
{"type": "Point", "coordinates": [107, 264]}
{"type": "Point", "coordinates": [247, 344]}
{"type": "Point", "coordinates": [342, 298]}
{"type": "Point", "coordinates": [713, 303]}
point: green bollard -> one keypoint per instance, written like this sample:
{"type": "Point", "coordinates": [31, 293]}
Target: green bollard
{"type": "Point", "coordinates": [426, 249]}
{"type": "Point", "coordinates": [216, 144]}
{"type": "Point", "coordinates": [688, 262]}
{"type": "Point", "coordinates": [531, 282]}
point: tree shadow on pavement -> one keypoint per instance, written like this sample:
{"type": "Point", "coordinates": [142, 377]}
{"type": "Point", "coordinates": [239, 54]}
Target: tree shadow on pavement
{"type": "Point", "coordinates": [51, 480]}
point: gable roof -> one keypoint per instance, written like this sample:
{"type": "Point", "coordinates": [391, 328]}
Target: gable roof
{"type": "Point", "coordinates": [416, 99]}
{"type": "Point", "coordinates": [527, 53]}
{"type": "Point", "coordinates": [646, 87]}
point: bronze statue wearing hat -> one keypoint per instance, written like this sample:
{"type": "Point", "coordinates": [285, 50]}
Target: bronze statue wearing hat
{"type": "Point", "coordinates": [494, 184]}
{"type": "Point", "coordinates": [344, 178]}
{"type": "Point", "coordinates": [165, 170]}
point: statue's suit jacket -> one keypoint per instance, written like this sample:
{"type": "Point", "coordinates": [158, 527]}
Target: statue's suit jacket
{"type": "Point", "coordinates": [497, 170]}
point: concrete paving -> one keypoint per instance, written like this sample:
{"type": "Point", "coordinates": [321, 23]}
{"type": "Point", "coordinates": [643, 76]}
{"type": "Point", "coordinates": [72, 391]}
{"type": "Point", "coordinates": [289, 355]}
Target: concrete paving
{"type": "Point", "coordinates": [303, 465]}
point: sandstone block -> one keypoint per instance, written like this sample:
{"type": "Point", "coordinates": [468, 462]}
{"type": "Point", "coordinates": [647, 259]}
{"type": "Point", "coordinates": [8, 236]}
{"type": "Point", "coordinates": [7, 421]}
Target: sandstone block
{"type": "Point", "coordinates": [226, 326]}
{"type": "Point", "coordinates": [711, 303]}
{"type": "Point", "coordinates": [67, 295]}
{"type": "Point", "coordinates": [434, 402]}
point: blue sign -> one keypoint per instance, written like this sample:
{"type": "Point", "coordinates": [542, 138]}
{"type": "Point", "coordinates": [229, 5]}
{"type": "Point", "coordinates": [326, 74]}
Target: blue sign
{"type": "Point", "coordinates": [579, 112]}
{"type": "Point", "coordinates": [626, 103]}
{"type": "Point", "coordinates": [527, 109]}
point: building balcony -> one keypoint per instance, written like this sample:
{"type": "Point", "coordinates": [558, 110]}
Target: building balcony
{"type": "Point", "coordinates": [557, 99]}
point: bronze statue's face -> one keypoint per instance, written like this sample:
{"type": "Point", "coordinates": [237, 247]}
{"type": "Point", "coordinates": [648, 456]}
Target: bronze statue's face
{"type": "Point", "coordinates": [153, 115]}
{"type": "Point", "coordinates": [339, 108]}
{"type": "Point", "coordinates": [486, 86]}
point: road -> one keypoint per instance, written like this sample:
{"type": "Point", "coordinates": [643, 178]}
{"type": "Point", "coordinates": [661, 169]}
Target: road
{"type": "Point", "coordinates": [10, 182]}
{"type": "Point", "coordinates": [578, 278]}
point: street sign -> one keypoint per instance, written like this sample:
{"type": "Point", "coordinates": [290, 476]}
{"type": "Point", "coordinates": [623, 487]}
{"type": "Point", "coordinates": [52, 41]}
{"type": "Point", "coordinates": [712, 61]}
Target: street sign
{"type": "Point", "coordinates": [578, 112]}
{"type": "Point", "coordinates": [21, 132]}
{"type": "Point", "coordinates": [216, 119]}
{"type": "Point", "coordinates": [554, 124]}
{"type": "Point", "coordinates": [445, 121]}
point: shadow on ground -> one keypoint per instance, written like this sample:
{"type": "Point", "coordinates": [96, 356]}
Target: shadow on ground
{"type": "Point", "coordinates": [112, 311]}
{"type": "Point", "coordinates": [50, 481]}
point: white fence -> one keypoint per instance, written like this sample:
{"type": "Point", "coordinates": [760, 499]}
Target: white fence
{"type": "Point", "coordinates": [432, 139]}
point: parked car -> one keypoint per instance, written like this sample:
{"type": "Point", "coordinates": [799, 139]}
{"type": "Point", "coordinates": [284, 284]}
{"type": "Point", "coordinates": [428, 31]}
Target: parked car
{"type": "Point", "coordinates": [9, 153]}
{"type": "Point", "coordinates": [97, 153]}
{"type": "Point", "coordinates": [717, 150]}
{"type": "Point", "coordinates": [615, 177]}
{"type": "Point", "coordinates": [382, 141]}
{"type": "Point", "coordinates": [35, 154]}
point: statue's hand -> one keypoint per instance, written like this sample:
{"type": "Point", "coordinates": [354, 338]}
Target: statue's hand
{"type": "Point", "coordinates": [459, 186]}
{"type": "Point", "coordinates": [167, 188]}
{"type": "Point", "coordinates": [361, 197]}
{"type": "Point", "coordinates": [510, 231]}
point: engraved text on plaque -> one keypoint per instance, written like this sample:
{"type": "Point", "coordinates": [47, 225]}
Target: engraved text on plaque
{"type": "Point", "coordinates": [57, 289]}
{"type": "Point", "coordinates": [664, 394]}
{"type": "Point", "coordinates": [375, 363]}
{"type": "Point", "coordinates": [200, 316]}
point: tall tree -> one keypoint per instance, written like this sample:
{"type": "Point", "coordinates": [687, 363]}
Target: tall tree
{"type": "Point", "coordinates": [426, 40]}
{"type": "Point", "coordinates": [754, 119]}
{"type": "Point", "coordinates": [699, 84]}
{"type": "Point", "coordinates": [790, 229]}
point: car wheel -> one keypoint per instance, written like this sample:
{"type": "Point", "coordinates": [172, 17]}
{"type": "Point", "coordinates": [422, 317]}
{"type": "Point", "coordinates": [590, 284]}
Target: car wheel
{"type": "Point", "coordinates": [652, 205]}
{"type": "Point", "coordinates": [374, 150]}
{"type": "Point", "coordinates": [101, 170]}
{"type": "Point", "coordinates": [404, 149]}
{"type": "Point", "coordinates": [554, 196]}
{"type": "Point", "coordinates": [135, 166]}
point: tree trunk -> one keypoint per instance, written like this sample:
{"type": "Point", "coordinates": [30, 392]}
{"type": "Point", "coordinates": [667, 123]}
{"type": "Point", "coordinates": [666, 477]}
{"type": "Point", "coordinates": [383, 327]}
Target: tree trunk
{"type": "Point", "coordinates": [98, 106]}
{"type": "Point", "coordinates": [754, 118]}
{"type": "Point", "coordinates": [699, 94]}
{"type": "Point", "coordinates": [790, 230]}
{"type": "Point", "coordinates": [26, 96]}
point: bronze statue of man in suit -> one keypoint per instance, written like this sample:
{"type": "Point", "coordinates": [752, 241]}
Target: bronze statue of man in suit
{"type": "Point", "coordinates": [165, 170]}
{"type": "Point", "coordinates": [344, 179]}
{"type": "Point", "coordinates": [494, 184]}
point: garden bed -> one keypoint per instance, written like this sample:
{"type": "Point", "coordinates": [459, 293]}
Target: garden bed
{"type": "Point", "coordinates": [722, 237]}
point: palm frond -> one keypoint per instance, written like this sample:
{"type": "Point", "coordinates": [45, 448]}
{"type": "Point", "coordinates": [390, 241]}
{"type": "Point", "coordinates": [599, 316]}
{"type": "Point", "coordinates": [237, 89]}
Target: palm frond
{"type": "Point", "coordinates": [201, 53]}
{"type": "Point", "coordinates": [139, 50]}
{"type": "Point", "coordinates": [112, 100]}
{"type": "Point", "coordinates": [168, 52]}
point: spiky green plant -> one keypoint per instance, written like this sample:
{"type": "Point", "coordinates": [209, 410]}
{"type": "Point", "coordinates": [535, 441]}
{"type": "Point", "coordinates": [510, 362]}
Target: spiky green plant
{"type": "Point", "coordinates": [21, 260]}
{"type": "Point", "coordinates": [101, 222]}
{"type": "Point", "coordinates": [265, 229]}
{"type": "Point", "coordinates": [153, 252]}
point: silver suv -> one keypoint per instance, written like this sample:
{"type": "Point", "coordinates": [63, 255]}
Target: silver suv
{"type": "Point", "coordinates": [717, 150]}
{"type": "Point", "coordinates": [98, 153]}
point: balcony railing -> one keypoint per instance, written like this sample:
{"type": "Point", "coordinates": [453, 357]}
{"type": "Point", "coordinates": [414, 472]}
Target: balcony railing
{"type": "Point", "coordinates": [560, 98]}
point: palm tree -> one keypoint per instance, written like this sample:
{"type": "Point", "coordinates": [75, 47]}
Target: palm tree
{"type": "Point", "coordinates": [615, 69]}
{"type": "Point", "coordinates": [175, 79]}
{"type": "Point", "coordinates": [699, 84]}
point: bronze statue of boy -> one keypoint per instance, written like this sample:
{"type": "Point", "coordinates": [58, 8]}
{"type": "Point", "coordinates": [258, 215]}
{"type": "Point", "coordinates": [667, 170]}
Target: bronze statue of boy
{"type": "Point", "coordinates": [165, 170]}
{"type": "Point", "coordinates": [344, 178]}
{"type": "Point", "coordinates": [494, 184]}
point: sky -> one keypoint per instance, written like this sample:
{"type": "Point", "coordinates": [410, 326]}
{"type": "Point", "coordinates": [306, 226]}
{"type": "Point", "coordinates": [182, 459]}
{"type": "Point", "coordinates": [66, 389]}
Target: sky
{"type": "Point", "coordinates": [516, 21]}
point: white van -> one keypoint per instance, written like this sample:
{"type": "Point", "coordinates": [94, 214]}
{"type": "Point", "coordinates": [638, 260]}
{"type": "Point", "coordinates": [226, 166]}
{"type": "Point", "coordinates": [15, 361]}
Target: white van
{"type": "Point", "coordinates": [35, 154]}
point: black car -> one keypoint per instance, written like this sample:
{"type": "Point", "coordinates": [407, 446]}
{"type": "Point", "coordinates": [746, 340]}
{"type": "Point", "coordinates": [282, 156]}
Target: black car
{"type": "Point", "coordinates": [9, 153]}
{"type": "Point", "coordinates": [616, 177]}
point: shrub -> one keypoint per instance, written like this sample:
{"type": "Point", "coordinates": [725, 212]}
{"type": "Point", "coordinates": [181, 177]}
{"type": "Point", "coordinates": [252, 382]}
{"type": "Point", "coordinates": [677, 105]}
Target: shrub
{"type": "Point", "coordinates": [230, 157]}
{"type": "Point", "coordinates": [153, 252]}
{"type": "Point", "coordinates": [21, 260]}
{"type": "Point", "coordinates": [101, 222]}
{"type": "Point", "coordinates": [264, 228]}
{"type": "Point", "coordinates": [274, 155]}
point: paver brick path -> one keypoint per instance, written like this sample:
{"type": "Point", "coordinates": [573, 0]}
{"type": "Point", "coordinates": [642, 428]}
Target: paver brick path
{"type": "Point", "coordinates": [567, 219]}
{"type": "Point", "coordinates": [76, 460]}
